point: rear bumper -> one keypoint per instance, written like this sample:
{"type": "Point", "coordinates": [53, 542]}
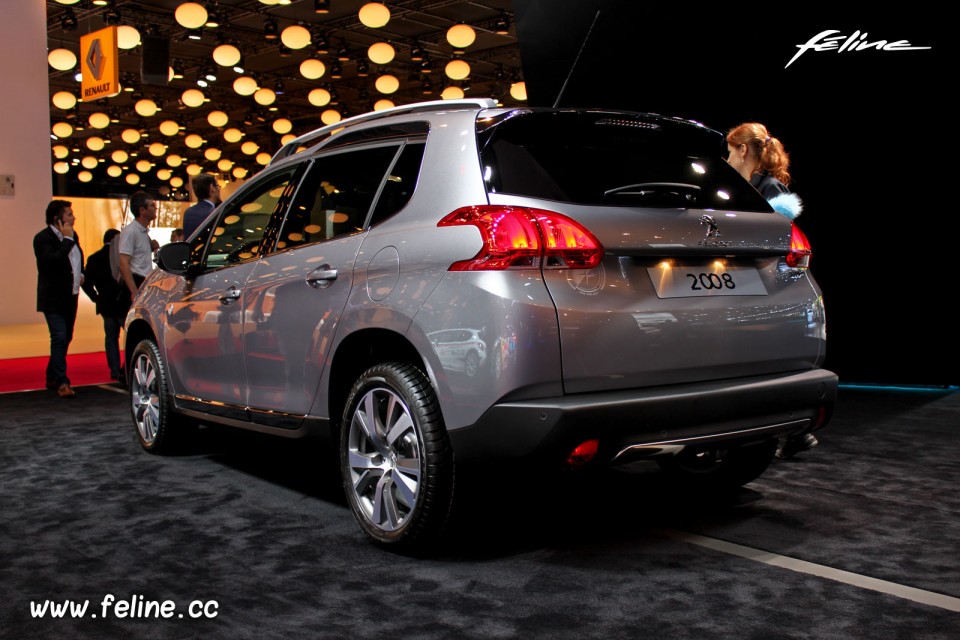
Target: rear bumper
{"type": "Point", "coordinates": [647, 421]}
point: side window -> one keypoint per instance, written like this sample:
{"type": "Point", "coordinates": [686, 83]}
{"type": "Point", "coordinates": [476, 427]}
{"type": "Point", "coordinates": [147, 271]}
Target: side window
{"type": "Point", "coordinates": [336, 196]}
{"type": "Point", "coordinates": [239, 229]}
{"type": "Point", "coordinates": [400, 184]}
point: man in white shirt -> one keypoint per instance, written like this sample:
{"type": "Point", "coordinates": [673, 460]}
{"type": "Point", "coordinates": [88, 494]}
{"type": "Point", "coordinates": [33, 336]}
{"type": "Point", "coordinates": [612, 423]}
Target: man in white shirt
{"type": "Point", "coordinates": [134, 246]}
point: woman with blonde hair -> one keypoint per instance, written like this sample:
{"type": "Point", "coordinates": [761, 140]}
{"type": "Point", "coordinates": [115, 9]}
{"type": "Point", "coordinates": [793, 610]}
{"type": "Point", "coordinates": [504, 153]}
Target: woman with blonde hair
{"type": "Point", "coordinates": [761, 159]}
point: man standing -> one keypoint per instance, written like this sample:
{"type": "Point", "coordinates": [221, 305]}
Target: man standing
{"type": "Point", "coordinates": [59, 277]}
{"type": "Point", "coordinates": [135, 247]}
{"type": "Point", "coordinates": [207, 191]}
{"type": "Point", "coordinates": [101, 287]}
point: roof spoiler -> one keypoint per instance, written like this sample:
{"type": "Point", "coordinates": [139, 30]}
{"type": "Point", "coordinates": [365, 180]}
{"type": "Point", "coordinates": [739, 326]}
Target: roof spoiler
{"type": "Point", "coordinates": [416, 107]}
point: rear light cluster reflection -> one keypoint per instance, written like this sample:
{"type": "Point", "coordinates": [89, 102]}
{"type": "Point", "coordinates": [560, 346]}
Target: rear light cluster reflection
{"type": "Point", "coordinates": [799, 256]}
{"type": "Point", "coordinates": [525, 238]}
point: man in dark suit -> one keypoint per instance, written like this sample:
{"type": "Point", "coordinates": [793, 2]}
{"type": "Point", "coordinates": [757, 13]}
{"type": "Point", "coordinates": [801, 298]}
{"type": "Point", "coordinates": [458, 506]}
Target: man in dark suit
{"type": "Point", "coordinates": [207, 191]}
{"type": "Point", "coordinates": [101, 287]}
{"type": "Point", "coordinates": [59, 277]}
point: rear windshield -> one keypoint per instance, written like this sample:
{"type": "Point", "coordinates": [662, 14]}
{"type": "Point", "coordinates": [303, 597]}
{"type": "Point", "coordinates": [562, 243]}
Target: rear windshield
{"type": "Point", "coordinates": [611, 159]}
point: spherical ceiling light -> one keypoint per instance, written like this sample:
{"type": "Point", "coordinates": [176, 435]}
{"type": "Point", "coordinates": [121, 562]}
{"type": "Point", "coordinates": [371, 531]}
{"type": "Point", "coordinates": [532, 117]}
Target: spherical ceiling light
{"type": "Point", "coordinates": [176, 182]}
{"type": "Point", "coordinates": [288, 138]}
{"type": "Point", "coordinates": [245, 86]}
{"type": "Point", "coordinates": [211, 154]}
{"type": "Point", "coordinates": [217, 118]}
{"type": "Point", "coordinates": [62, 59]}
{"type": "Point", "coordinates": [114, 171]}
{"type": "Point", "coordinates": [330, 116]}
{"type": "Point", "coordinates": [164, 174]}
{"type": "Point", "coordinates": [194, 169]}
{"type": "Point", "coordinates": [130, 136]}
{"type": "Point", "coordinates": [61, 167]}
{"type": "Point", "coordinates": [144, 165]}
{"type": "Point", "coordinates": [89, 162]}
{"type": "Point", "coordinates": [132, 178]}
{"type": "Point", "coordinates": [461, 35]}
{"type": "Point", "coordinates": [382, 104]}
{"type": "Point", "coordinates": [119, 156]}
{"type": "Point", "coordinates": [249, 147]}
{"type": "Point", "coordinates": [312, 69]}
{"type": "Point", "coordinates": [191, 15]}
{"type": "Point", "coordinates": [319, 97]}
{"type": "Point", "coordinates": [62, 130]}
{"type": "Point", "coordinates": [127, 37]}
{"type": "Point", "coordinates": [64, 100]}
{"type": "Point", "coordinates": [240, 173]}
{"type": "Point", "coordinates": [457, 69]}
{"type": "Point", "coordinates": [452, 93]}
{"type": "Point", "coordinates": [99, 120]}
{"type": "Point", "coordinates": [518, 90]}
{"type": "Point", "coordinates": [374, 15]}
{"type": "Point", "coordinates": [282, 125]}
{"type": "Point", "coordinates": [68, 1]}
{"type": "Point", "coordinates": [157, 149]}
{"type": "Point", "coordinates": [265, 96]}
{"type": "Point", "coordinates": [169, 128]}
{"type": "Point", "coordinates": [192, 97]}
{"type": "Point", "coordinates": [95, 143]}
{"type": "Point", "coordinates": [233, 135]}
{"type": "Point", "coordinates": [146, 107]}
{"type": "Point", "coordinates": [173, 160]}
{"type": "Point", "coordinates": [295, 36]}
{"type": "Point", "coordinates": [226, 55]}
{"type": "Point", "coordinates": [224, 164]}
{"type": "Point", "coordinates": [381, 52]}
{"type": "Point", "coordinates": [387, 84]}
{"type": "Point", "coordinates": [60, 151]}
{"type": "Point", "coordinates": [193, 141]}
{"type": "Point", "coordinates": [263, 158]}
{"type": "Point", "coordinates": [84, 176]}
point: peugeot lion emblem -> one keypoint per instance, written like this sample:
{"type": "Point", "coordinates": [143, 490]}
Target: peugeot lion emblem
{"type": "Point", "coordinates": [713, 231]}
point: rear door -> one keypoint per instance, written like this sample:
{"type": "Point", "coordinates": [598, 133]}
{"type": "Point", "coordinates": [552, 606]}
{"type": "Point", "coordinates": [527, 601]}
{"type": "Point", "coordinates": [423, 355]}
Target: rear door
{"type": "Point", "coordinates": [692, 285]}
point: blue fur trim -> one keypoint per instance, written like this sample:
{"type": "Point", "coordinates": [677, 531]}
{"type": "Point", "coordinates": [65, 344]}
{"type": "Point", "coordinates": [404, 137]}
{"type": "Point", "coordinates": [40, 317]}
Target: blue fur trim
{"type": "Point", "coordinates": [787, 204]}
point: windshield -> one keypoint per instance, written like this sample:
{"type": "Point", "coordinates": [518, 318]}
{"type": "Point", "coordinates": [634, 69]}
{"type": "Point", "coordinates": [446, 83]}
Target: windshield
{"type": "Point", "coordinates": [612, 159]}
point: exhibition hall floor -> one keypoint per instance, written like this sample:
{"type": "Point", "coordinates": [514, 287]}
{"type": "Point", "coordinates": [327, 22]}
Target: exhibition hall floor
{"type": "Point", "coordinates": [249, 537]}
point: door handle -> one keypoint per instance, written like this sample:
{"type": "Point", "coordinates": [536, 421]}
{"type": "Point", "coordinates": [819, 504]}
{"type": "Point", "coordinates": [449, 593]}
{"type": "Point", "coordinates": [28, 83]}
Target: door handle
{"type": "Point", "coordinates": [321, 277]}
{"type": "Point", "coordinates": [231, 294]}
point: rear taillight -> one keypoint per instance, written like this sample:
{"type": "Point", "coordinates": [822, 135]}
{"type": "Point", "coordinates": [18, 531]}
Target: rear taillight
{"type": "Point", "coordinates": [525, 238]}
{"type": "Point", "coordinates": [799, 256]}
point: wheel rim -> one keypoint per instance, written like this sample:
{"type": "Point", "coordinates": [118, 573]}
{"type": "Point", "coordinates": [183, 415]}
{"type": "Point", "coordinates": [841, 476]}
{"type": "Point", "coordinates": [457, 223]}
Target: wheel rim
{"type": "Point", "coordinates": [473, 361]}
{"type": "Point", "coordinates": [145, 398]}
{"type": "Point", "coordinates": [384, 459]}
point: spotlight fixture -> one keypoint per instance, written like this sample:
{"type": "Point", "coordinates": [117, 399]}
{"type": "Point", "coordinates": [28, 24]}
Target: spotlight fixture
{"type": "Point", "coordinates": [426, 87]}
{"type": "Point", "coordinates": [363, 69]}
{"type": "Point", "coordinates": [342, 53]}
{"type": "Point", "coordinates": [425, 65]}
{"type": "Point", "coordinates": [271, 31]}
{"type": "Point", "coordinates": [239, 67]}
{"type": "Point", "coordinates": [320, 42]}
{"type": "Point", "coordinates": [284, 50]}
{"type": "Point", "coordinates": [416, 52]}
{"type": "Point", "coordinates": [279, 87]}
{"type": "Point", "coordinates": [112, 16]}
{"type": "Point", "coordinates": [68, 21]}
{"type": "Point", "coordinates": [210, 74]}
{"type": "Point", "coordinates": [177, 69]}
{"type": "Point", "coordinates": [336, 71]}
{"type": "Point", "coordinates": [195, 34]}
{"type": "Point", "coordinates": [321, 6]}
{"type": "Point", "coordinates": [502, 26]}
{"type": "Point", "coordinates": [214, 17]}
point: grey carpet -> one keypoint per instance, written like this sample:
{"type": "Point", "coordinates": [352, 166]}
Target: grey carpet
{"type": "Point", "coordinates": [260, 526]}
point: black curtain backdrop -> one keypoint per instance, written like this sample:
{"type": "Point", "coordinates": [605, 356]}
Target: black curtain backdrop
{"type": "Point", "coordinates": [870, 134]}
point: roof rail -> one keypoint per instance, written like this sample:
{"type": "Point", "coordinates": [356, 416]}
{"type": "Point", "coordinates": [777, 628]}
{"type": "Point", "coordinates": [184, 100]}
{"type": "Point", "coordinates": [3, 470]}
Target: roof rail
{"type": "Point", "coordinates": [432, 105]}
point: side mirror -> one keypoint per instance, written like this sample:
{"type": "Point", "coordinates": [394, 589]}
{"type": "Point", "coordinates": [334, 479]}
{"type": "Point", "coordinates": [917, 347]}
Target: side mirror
{"type": "Point", "coordinates": [174, 257]}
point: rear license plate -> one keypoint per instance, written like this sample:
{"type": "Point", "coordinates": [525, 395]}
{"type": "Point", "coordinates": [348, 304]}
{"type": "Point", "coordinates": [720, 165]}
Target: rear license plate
{"type": "Point", "coordinates": [689, 282]}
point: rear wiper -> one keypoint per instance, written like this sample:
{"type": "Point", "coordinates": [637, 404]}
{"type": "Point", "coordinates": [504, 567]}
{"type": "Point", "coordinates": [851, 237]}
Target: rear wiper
{"type": "Point", "coordinates": [650, 188]}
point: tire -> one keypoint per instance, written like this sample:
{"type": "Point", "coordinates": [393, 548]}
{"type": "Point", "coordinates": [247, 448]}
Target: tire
{"type": "Point", "coordinates": [151, 404]}
{"type": "Point", "coordinates": [398, 469]}
{"type": "Point", "coordinates": [471, 363]}
{"type": "Point", "coordinates": [719, 469]}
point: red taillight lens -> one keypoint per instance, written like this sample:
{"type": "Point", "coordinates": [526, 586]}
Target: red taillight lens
{"type": "Point", "coordinates": [799, 256]}
{"type": "Point", "coordinates": [583, 453]}
{"type": "Point", "coordinates": [525, 238]}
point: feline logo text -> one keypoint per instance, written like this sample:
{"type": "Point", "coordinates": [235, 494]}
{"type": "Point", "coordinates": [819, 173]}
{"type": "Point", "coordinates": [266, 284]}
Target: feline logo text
{"type": "Point", "coordinates": [826, 41]}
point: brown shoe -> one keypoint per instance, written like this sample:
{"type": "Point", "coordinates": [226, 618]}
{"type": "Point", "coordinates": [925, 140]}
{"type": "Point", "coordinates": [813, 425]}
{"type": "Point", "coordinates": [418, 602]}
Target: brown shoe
{"type": "Point", "coordinates": [66, 391]}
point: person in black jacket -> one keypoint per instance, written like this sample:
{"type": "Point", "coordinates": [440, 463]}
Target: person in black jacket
{"type": "Point", "coordinates": [759, 158]}
{"type": "Point", "coordinates": [101, 287]}
{"type": "Point", "coordinates": [59, 277]}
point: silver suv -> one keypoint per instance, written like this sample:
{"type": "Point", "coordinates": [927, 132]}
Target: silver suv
{"type": "Point", "coordinates": [632, 296]}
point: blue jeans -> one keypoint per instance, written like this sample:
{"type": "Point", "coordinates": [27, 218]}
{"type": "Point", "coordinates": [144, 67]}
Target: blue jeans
{"type": "Point", "coordinates": [61, 333]}
{"type": "Point", "coordinates": [111, 344]}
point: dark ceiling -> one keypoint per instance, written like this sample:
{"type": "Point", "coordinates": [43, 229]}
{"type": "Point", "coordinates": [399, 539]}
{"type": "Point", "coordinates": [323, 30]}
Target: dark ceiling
{"type": "Point", "coordinates": [494, 60]}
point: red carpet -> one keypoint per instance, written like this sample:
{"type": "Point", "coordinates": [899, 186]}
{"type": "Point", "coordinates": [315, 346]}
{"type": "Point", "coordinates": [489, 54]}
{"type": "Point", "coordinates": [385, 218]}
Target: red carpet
{"type": "Point", "coordinates": [26, 374]}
